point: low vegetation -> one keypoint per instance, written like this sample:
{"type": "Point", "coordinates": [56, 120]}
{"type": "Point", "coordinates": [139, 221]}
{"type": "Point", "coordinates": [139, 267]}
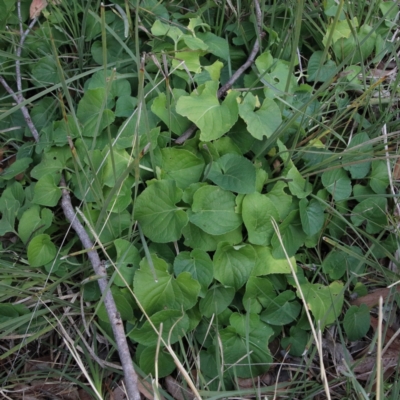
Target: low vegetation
{"type": "Point", "coordinates": [215, 180]}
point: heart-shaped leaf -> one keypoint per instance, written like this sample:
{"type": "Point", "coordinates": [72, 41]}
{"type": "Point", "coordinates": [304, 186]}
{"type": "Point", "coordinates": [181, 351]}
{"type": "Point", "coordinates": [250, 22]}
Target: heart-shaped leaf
{"type": "Point", "coordinates": [213, 210]}
{"type": "Point", "coordinates": [156, 289]}
{"type": "Point", "coordinates": [213, 119]}
{"type": "Point", "coordinates": [161, 220]}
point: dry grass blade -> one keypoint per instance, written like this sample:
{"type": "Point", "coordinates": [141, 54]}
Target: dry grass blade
{"type": "Point", "coordinates": [316, 334]}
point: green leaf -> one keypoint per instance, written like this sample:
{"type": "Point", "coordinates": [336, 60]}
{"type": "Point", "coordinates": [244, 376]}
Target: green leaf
{"type": "Point", "coordinates": [123, 306]}
{"type": "Point", "coordinates": [128, 259]}
{"type": "Point", "coordinates": [356, 322]}
{"type": "Point", "coordinates": [216, 44]}
{"type": "Point", "coordinates": [33, 222]}
{"type": "Point", "coordinates": [182, 166]}
{"type": "Point", "coordinates": [281, 200]}
{"type": "Point", "coordinates": [233, 172]}
{"type": "Point", "coordinates": [174, 326]}
{"type": "Point", "coordinates": [340, 30]}
{"type": "Point", "coordinates": [165, 363]}
{"type": "Point", "coordinates": [188, 61]}
{"type": "Point", "coordinates": [161, 29]}
{"type": "Point", "coordinates": [46, 192]}
{"type": "Point", "coordinates": [214, 210]}
{"type": "Point", "coordinates": [118, 88]}
{"type": "Point", "coordinates": [267, 264]}
{"type": "Point", "coordinates": [47, 166]}
{"type": "Point", "coordinates": [212, 118]}
{"type": "Point", "coordinates": [53, 161]}
{"type": "Point", "coordinates": [16, 168]}
{"type": "Point", "coordinates": [245, 345]}
{"type": "Point", "coordinates": [115, 166]}
{"type": "Point", "coordinates": [119, 198]}
{"type": "Point", "coordinates": [373, 211]}
{"type": "Point", "coordinates": [155, 210]}
{"type": "Point", "coordinates": [362, 152]}
{"type": "Point", "coordinates": [196, 238]}
{"type": "Point", "coordinates": [318, 72]}
{"type": "Point", "coordinates": [259, 292]}
{"type": "Point", "coordinates": [338, 262]}
{"type": "Point", "coordinates": [325, 302]}
{"type": "Point", "coordinates": [113, 51]}
{"type": "Point", "coordinates": [262, 122]}
{"type": "Point", "coordinates": [92, 112]}
{"type": "Point", "coordinates": [194, 43]}
{"type": "Point", "coordinates": [41, 251]}
{"type": "Point", "coordinates": [379, 179]}
{"type": "Point", "coordinates": [91, 291]}
{"type": "Point", "coordinates": [233, 264]}
{"type": "Point", "coordinates": [214, 70]}
{"type": "Point", "coordinates": [154, 7]}
{"type": "Point", "coordinates": [297, 341]}
{"type": "Point", "coordinates": [9, 207]}
{"type": "Point", "coordinates": [167, 112]}
{"type": "Point", "coordinates": [337, 183]}
{"type": "Point", "coordinates": [358, 49]}
{"type": "Point", "coordinates": [298, 186]}
{"type": "Point", "coordinates": [125, 106]}
{"type": "Point", "coordinates": [200, 266]}
{"type": "Point", "coordinates": [7, 312]}
{"type": "Point", "coordinates": [188, 193]}
{"type": "Point", "coordinates": [216, 300]}
{"type": "Point", "coordinates": [292, 236]}
{"type": "Point", "coordinates": [281, 310]}
{"type": "Point", "coordinates": [157, 289]}
{"type": "Point", "coordinates": [279, 80]}
{"type": "Point", "coordinates": [44, 72]}
{"type": "Point", "coordinates": [312, 216]}
{"type": "Point", "coordinates": [257, 213]}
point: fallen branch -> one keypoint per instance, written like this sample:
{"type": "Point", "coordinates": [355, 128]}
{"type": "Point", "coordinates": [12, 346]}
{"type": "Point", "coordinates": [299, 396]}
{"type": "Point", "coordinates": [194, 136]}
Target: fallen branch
{"type": "Point", "coordinates": [223, 89]}
{"type": "Point", "coordinates": [131, 378]}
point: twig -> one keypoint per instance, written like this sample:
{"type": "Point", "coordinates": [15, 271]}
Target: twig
{"type": "Point", "coordinates": [18, 96]}
{"type": "Point", "coordinates": [222, 90]}
{"type": "Point", "coordinates": [19, 99]}
{"type": "Point", "coordinates": [131, 378]}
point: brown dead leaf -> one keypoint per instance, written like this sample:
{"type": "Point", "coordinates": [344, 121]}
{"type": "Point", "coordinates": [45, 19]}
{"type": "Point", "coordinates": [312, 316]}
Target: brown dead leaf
{"type": "Point", "coordinates": [36, 8]}
{"type": "Point", "coordinates": [267, 379]}
{"type": "Point", "coordinates": [118, 394]}
{"type": "Point", "coordinates": [372, 299]}
{"type": "Point", "coordinates": [177, 391]}
{"type": "Point", "coordinates": [363, 368]}
{"type": "Point", "coordinates": [390, 358]}
{"type": "Point", "coordinates": [396, 170]}
{"type": "Point", "coordinates": [46, 389]}
{"type": "Point", "coordinates": [395, 345]}
{"type": "Point", "coordinates": [146, 389]}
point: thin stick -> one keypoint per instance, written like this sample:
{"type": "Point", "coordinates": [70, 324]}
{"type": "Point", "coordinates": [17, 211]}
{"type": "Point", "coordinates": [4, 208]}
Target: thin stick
{"type": "Point", "coordinates": [18, 96]}
{"type": "Point", "coordinates": [222, 90]}
{"type": "Point", "coordinates": [131, 378]}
